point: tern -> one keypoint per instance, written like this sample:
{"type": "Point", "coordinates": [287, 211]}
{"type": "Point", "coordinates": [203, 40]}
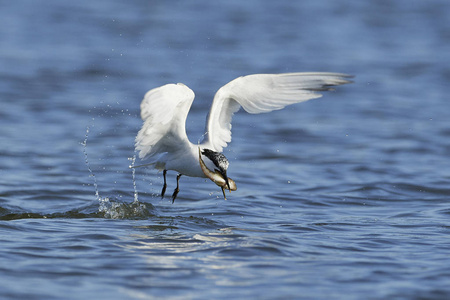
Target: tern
{"type": "Point", "coordinates": [163, 141]}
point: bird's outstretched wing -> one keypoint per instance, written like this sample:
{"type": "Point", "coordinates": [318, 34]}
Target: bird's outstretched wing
{"type": "Point", "coordinates": [164, 111]}
{"type": "Point", "coordinates": [262, 93]}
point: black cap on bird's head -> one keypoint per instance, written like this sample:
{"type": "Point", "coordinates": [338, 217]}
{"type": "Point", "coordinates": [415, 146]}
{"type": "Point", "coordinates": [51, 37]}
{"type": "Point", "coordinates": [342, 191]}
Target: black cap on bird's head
{"type": "Point", "coordinates": [220, 161]}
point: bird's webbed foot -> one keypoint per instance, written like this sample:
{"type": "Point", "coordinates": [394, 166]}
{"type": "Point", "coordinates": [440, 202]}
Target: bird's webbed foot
{"type": "Point", "coordinates": [177, 189]}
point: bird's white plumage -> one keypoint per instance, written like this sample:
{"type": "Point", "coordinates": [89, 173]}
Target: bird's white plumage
{"type": "Point", "coordinates": [163, 140]}
{"type": "Point", "coordinates": [164, 111]}
{"type": "Point", "coordinates": [262, 93]}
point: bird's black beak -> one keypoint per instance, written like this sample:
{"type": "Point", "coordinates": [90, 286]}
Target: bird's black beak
{"type": "Point", "coordinates": [224, 174]}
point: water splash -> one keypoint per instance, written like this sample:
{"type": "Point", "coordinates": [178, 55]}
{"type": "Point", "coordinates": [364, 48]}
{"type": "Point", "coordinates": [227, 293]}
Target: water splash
{"type": "Point", "coordinates": [86, 160]}
{"type": "Point", "coordinates": [202, 138]}
{"type": "Point", "coordinates": [133, 174]}
{"type": "Point", "coordinates": [112, 209]}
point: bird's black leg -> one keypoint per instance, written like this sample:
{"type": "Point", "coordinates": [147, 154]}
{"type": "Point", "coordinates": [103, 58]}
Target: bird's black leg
{"type": "Point", "coordinates": [165, 184]}
{"type": "Point", "coordinates": [175, 192]}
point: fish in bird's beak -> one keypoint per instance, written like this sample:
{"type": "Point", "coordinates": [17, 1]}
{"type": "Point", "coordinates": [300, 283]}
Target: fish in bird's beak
{"type": "Point", "coordinates": [219, 178]}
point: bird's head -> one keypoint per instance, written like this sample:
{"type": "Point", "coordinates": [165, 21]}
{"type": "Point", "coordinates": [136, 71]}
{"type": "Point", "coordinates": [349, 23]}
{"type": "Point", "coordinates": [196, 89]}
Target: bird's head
{"type": "Point", "coordinates": [219, 176]}
{"type": "Point", "coordinates": [220, 161]}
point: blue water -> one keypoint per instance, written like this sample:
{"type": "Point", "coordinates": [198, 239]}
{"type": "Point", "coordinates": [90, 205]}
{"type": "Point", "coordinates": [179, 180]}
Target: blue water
{"type": "Point", "coordinates": [342, 197]}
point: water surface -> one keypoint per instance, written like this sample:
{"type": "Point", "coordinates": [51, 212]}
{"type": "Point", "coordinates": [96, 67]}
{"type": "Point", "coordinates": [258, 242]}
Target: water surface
{"type": "Point", "coordinates": [343, 197]}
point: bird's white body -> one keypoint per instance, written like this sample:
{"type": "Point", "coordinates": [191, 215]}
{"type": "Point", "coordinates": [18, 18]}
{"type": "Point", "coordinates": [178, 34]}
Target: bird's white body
{"type": "Point", "coordinates": [163, 142]}
{"type": "Point", "coordinates": [185, 162]}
